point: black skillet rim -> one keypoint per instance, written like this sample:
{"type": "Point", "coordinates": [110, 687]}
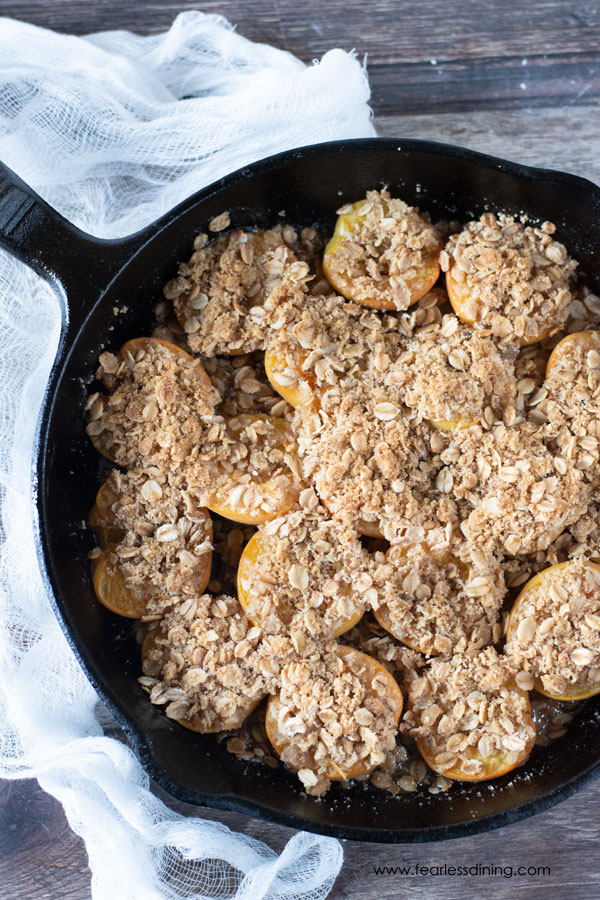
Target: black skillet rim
{"type": "Point", "coordinates": [136, 737]}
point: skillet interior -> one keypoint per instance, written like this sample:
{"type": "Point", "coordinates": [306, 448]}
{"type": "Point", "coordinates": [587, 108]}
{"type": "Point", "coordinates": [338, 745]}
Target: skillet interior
{"type": "Point", "coordinates": [309, 185]}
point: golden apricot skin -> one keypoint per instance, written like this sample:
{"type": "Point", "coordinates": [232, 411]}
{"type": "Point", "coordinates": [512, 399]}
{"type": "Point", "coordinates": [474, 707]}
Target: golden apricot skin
{"type": "Point", "coordinates": [101, 518]}
{"type": "Point", "coordinates": [574, 691]}
{"type": "Point", "coordinates": [346, 223]}
{"type": "Point", "coordinates": [254, 550]}
{"type": "Point", "coordinates": [114, 593]}
{"type": "Point", "coordinates": [458, 295]}
{"type": "Point", "coordinates": [280, 742]}
{"type": "Point", "coordinates": [219, 502]}
{"type": "Point", "coordinates": [589, 339]}
{"type": "Point", "coordinates": [276, 364]}
{"type": "Point", "coordinates": [495, 765]}
{"type": "Point", "coordinates": [453, 424]}
{"type": "Point", "coordinates": [195, 723]}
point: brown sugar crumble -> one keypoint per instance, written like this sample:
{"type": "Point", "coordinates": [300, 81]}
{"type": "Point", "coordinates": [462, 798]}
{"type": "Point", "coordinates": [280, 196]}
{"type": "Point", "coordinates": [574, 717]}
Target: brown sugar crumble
{"type": "Point", "coordinates": [430, 376]}
{"type": "Point", "coordinates": [247, 465]}
{"type": "Point", "coordinates": [517, 497]}
{"type": "Point", "coordinates": [382, 480]}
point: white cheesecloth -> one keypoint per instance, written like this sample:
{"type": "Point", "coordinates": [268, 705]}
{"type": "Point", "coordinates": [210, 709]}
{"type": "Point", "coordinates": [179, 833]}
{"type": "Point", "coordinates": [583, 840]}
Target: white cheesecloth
{"type": "Point", "coordinates": [113, 130]}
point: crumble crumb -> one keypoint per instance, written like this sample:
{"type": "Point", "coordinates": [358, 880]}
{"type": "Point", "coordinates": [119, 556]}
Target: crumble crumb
{"type": "Point", "coordinates": [243, 386]}
{"type": "Point", "coordinates": [246, 465]}
{"type": "Point", "coordinates": [219, 295]}
{"type": "Point", "coordinates": [571, 402]}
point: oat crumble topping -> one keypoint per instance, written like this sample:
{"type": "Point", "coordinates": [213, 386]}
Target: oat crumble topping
{"type": "Point", "coordinates": [439, 595]}
{"type": "Point", "coordinates": [220, 293]}
{"type": "Point", "coordinates": [307, 578]}
{"type": "Point", "coordinates": [158, 409]}
{"type": "Point", "coordinates": [334, 713]}
{"type": "Point", "coordinates": [439, 434]}
{"type": "Point", "coordinates": [517, 496]}
{"type": "Point", "coordinates": [165, 538]}
{"type": "Point", "coordinates": [199, 663]}
{"type": "Point", "coordinates": [572, 402]}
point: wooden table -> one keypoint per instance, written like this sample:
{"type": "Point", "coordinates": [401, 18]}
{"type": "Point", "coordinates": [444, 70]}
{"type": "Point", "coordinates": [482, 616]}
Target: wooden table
{"type": "Point", "coordinates": [514, 79]}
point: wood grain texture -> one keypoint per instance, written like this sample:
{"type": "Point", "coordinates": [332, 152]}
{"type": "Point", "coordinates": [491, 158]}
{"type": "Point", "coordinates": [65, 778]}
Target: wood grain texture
{"type": "Point", "coordinates": [42, 859]}
{"type": "Point", "coordinates": [424, 56]}
{"type": "Point", "coordinates": [535, 137]}
{"type": "Point", "coordinates": [517, 80]}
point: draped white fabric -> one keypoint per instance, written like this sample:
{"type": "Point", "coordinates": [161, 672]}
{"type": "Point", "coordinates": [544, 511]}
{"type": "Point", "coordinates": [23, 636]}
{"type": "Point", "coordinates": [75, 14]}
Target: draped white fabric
{"type": "Point", "coordinates": [113, 130]}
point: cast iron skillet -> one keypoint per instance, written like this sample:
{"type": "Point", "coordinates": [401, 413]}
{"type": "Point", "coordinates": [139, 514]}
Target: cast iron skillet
{"type": "Point", "coordinates": [93, 277]}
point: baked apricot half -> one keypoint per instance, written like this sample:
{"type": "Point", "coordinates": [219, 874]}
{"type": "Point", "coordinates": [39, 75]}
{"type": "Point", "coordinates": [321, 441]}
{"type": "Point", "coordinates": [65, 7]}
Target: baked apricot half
{"type": "Point", "coordinates": [123, 425]}
{"type": "Point", "coordinates": [470, 719]}
{"type": "Point", "coordinates": [102, 519]}
{"type": "Point", "coordinates": [553, 628]}
{"type": "Point", "coordinates": [249, 569]}
{"type": "Point", "coordinates": [436, 603]}
{"type": "Point", "coordinates": [466, 307]}
{"type": "Point", "coordinates": [195, 722]}
{"type": "Point", "coordinates": [379, 686]}
{"type": "Point", "coordinates": [284, 369]}
{"type": "Point", "coordinates": [113, 591]}
{"type": "Point", "coordinates": [488, 764]}
{"type": "Point", "coordinates": [262, 492]}
{"type": "Point", "coordinates": [564, 350]}
{"type": "Point", "coordinates": [382, 253]}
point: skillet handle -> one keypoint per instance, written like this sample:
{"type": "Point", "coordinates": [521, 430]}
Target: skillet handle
{"type": "Point", "coordinates": [78, 265]}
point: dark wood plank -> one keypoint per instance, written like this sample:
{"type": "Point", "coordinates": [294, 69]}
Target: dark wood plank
{"type": "Point", "coordinates": [533, 137]}
{"type": "Point", "coordinates": [424, 56]}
